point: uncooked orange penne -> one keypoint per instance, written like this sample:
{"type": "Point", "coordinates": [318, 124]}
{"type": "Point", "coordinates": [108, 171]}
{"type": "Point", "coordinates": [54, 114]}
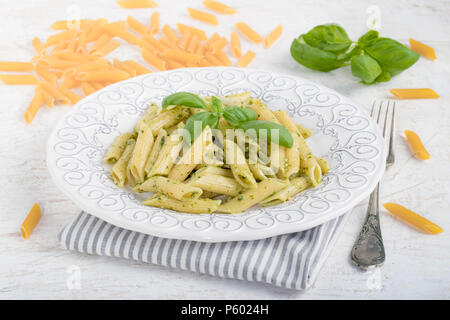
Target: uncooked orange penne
{"type": "Point", "coordinates": [38, 46]}
{"type": "Point", "coordinates": [30, 221]}
{"type": "Point", "coordinates": [203, 16]}
{"type": "Point", "coordinates": [246, 59]}
{"type": "Point", "coordinates": [136, 66]}
{"type": "Point", "coordinates": [154, 23]}
{"type": "Point", "coordinates": [416, 145]}
{"type": "Point", "coordinates": [137, 26]}
{"type": "Point", "coordinates": [185, 39]}
{"type": "Point", "coordinates": [137, 4]}
{"type": "Point", "coordinates": [273, 36]}
{"type": "Point", "coordinates": [422, 49]}
{"type": "Point", "coordinates": [118, 30]}
{"type": "Point", "coordinates": [18, 79]}
{"type": "Point", "coordinates": [412, 218]}
{"type": "Point", "coordinates": [235, 44]}
{"type": "Point", "coordinates": [46, 75]}
{"type": "Point", "coordinates": [74, 98]}
{"type": "Point", "coordinates": [87, 88]}
{"type": "Point", "coordinates": [248, 32]}
{"type": "Point", "coordinates": [219, 7]}
{"type": "Point", "coordinates": [217, 45]}
{"type": "Point", "coordinates": [223, 58]}
{"type": "Point", "coordinates": [102, 76]}
{"type": "Point", "coordinates": [422, 93]}
{"type": "Point", "coordinates": [34, 106]}
{"type": "Point", "coordinates": [108, 47]}
{"type": "Point", "coordinates": [181, 56]}
{"type": "Point", "coordinates": [16, 66]}
{"type": "Point", "coordinates": [170, 33]}
{"type": "Point", "coordinates": [47, 97]}
{"type": "Point", "coordinates": [60, 98]}
{"type": "Point", "coordinates": [153, 60]}
{"type": "Point", "coordinates": [201, 35]}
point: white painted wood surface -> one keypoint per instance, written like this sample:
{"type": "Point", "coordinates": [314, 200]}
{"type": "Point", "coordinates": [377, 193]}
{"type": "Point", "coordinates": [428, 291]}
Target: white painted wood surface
{"type": "Point", "coordinates": [417, 265]}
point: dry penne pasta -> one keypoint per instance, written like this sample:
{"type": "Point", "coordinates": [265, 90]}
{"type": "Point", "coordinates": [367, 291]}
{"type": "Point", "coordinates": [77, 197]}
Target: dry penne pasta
{"type": "Point", "coordinates": [170, 33]}
{"type": "Point", "coordinates": [246, 59]}
{"type": "Point", "coordinates": [16, 66]}
{"type": "Point", "coordinates": [34, 106]}
{"type": "Point", "coordinates": [182, 28]}
{"type": "Point", "coordinates": [140, 69]}
{"type": "Point", "coordinates": [422, 49]}
{"type": "Point", "coordinates": [102, 76]}
{"type": "Point", "coordinates": [19, 79]}
{"type": "Point", "coordinates": [203, 16]}
{"type": "Point", "coordinates": [248, 32]}
{"type": "Point", "coordinates": [273, 36]}
{"type": "Point", "coordinates": [154, 23]}
{"type": "Point", "coordinates": [416, 145]}
{"type": "Point", "coordinates": [137, 4]}
{"type": "Point", "coordinates": [423, 93]}
{"type": "Point", "coordinates": [30, 222]}
{"type": "Point", "coordinates": [235, 44]}
{"type": "Point", "coordinates": [137, 26]}
{"type": "Point", "coordinates": [412, 218]}
{"type": "Point", "coordinates": [219, 7]}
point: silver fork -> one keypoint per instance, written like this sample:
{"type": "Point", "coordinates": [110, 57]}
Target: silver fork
{"type": "Point", "coordinates": [368, 250]}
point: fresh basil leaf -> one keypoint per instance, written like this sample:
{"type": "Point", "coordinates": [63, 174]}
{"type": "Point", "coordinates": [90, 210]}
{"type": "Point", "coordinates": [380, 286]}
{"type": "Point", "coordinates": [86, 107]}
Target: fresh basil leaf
{"type": "Point", "coordinates": [365, 68]}
{"type": "Point", "coordinates": [186, 99]}
{"type": "Point", "coordinates": [235, 115]}
{"type": "Point", "coordinates": [348, 55]}
{"type": "Point", "coordinates": [215, 104]}
{"type": "Point", "coordinates": [197, 123]}
{"type": "Point", "coordinates": [314, 58]}
{"type": "Point", "coordinates": [284, 137]}
{"type": "Point", "coordinates": [328, 37]}
{"type": "Point", "coordinates": [368, 39]}
{"type": "Point", "coordinates": [383, 77]}
{"type": "Point", "coordinates": [392, 56]}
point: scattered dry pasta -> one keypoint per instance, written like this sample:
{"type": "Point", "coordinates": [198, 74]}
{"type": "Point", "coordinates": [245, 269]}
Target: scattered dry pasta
{"type": "Point", "coordinates": [273, 36]}
{"type": "Point", "coordinates": [248, 32]}
{"type": "Point", "coordinates": [30, 221]}
{"type": "Point", "coordinates": [219, 7]}
{"type": "Point", "coordinates": [137, 4]}
{"type": "Point", "coordinates": [203, 16]}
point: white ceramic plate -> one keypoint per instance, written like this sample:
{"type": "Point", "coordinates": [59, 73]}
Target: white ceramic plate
{"type": "Point", "coordinates": [342, 134]}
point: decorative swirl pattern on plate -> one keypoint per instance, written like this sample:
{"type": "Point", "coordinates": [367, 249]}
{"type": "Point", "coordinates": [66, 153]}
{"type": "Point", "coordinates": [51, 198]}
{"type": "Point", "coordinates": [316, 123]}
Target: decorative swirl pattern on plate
{"type": "Point", "coordinates": [77, 145]}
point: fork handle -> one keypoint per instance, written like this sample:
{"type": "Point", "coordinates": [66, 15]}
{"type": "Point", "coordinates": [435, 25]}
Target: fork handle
{"type": "Point", "coordinates": [368, 250]}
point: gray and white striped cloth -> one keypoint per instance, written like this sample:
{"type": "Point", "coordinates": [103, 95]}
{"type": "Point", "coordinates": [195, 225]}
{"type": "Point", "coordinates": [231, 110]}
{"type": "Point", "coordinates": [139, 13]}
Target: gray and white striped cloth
{"type": "Point", "coordinates": [290, 260]}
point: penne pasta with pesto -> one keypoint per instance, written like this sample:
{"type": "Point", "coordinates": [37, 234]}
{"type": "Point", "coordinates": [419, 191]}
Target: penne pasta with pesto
{"type": "Point", "coordinates": [221, 154]}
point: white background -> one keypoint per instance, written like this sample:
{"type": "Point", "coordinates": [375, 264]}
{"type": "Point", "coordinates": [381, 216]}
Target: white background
{"type": "Point", "coordinates": [417, 265]}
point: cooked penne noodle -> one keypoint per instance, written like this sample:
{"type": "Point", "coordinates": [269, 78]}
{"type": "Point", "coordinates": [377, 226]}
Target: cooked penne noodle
{"type": "Point", "coordinates": [273, 36]}
{"type": "Point", "coordinates": [219, 7]}
{"type": "Point", "coordinates": [296, 186]}
{"type": "Point", "coordinates": [167, 155]}
{"type": "Point", "coordinates": [202, 16]}
{"type": "Point", "coordinates": [190, 206]}
{"type": "Point", "coordinates": [251, 197]}
{"type": "Point", "coordinates": [154, 23]}
{"type": "Point", "coordinates": [159, 142]}
{"type": "Point", "coordinates": [117, 147]}
{"type": "Point", "coordinates": [18, 79]}
{"type": "Point", "coordinates": [246, 59]}
{"type": "Point", "coordinates": [193, 156]}
{"type": "Point", "coordinates": [168, 119]}
{"type": "Point", "coordinates": [248, 32]}
{"type": "Point", "coordinates": [30, 222]}
{"type": "Point", "coordinates": [292, 154]}
{"type": "Point", "coordinates": [235, 158]}
{"type": "Point", "coordinates": [150, 113]}
{"type": "Point", "coordinates": [16, 66]}
{"type": "Point", "coordinates": [141, 152]}
{"type": "Point", "coordinates": [217, 184]}
{"type": "Point", "coordinates": [169, 187]}
{"type": "Point", "coordinates": [235, 44]}
{"type": "Point", "coordinates": [137, 4]}
{"type": "Point", "coordinates": [260, 171]}
{"type": "Point", "coordinates": [305, 132]}
{"type": "Point", "coordinates": [119, 170]}
{"type": "Point", "coordinates": [324, 165]}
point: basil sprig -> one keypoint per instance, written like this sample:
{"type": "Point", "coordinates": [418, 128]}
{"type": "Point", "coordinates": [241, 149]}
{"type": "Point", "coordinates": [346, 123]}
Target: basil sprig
{"type": "Point", "coordinates": [237, 117]}
{"type": "Point", "coordinates": [372, 58]}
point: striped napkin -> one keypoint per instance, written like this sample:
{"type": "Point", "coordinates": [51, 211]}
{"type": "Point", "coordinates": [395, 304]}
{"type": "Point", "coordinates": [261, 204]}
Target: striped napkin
{"type": "Point", "coordinates": [291, 260]}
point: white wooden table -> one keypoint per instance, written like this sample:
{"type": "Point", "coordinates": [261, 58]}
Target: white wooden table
{"type": "Point", "coordinates": [417, 265]}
